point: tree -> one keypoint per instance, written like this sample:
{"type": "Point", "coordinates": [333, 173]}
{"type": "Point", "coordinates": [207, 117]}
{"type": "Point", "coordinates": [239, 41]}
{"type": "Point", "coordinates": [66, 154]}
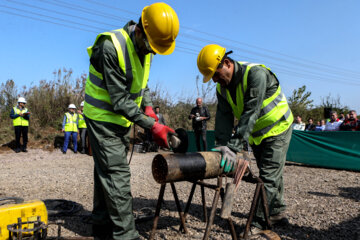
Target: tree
{"type": "Point", "coordinates": [300, 102]}
{"type": "Point", "coordinates": [206, 91]}
{"type": "Point", "coordinates": [334, 104]}
{"type": "Point", "coordinates": [8, 95]}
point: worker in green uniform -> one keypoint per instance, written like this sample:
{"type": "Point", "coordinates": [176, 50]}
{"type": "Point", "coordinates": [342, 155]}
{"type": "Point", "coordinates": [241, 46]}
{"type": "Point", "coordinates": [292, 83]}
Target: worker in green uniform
{"type": "Point", "coordinates": [116, 91]}
{"type": "Point", "coordinates": [252, 94]}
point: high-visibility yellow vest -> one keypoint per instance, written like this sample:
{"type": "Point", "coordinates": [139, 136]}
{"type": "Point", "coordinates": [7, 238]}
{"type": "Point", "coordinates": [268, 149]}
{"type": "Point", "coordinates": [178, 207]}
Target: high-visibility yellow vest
{"type": "Point", "coordinates": [70, 125]}
{"type": "Point", "coordinates": [98, 105]}
{"type": "Point", "coordinates": [82, 123]}
{"type": "Point", "coordinates": [275, 116]}
{"type": "Point", "coordinates": [20, 121]}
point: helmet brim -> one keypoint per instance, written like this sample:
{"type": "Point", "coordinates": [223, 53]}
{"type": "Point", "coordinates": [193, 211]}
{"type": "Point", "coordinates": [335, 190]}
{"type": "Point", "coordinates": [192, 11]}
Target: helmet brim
{"type": "Point", "coordinates": [162, 50]}
{"type": "Point", "coordinates": [207, 78]}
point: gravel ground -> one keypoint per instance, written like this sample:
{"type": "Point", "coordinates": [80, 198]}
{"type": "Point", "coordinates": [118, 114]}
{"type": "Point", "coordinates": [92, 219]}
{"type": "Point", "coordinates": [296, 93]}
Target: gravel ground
{"type": "Point", "coordinates": [322, 203]}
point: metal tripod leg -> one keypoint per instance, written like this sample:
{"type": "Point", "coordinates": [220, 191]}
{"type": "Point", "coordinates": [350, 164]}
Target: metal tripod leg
{"type": "Point", "coordinates": [203, 203]}
{"type": "Point", "coordinates": [181, 215]}
{"type": "Point", "coordinates": [213, 209]}
{"type": "Point", "coordinates": [265, 206]}
{"type": "Point", "coordinates": [252, 209]}
{"type": "Point", "coordinates": [157, 211]}
{"type": "Point", "coordinates": [187, 207]}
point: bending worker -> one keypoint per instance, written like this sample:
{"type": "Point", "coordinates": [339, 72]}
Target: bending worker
{"type": "Point", "coordinates": [251, 93]}
{"type": "Point", "coordinates": [20, 116]}
{"type": "Point", "coordinates": [70, 128]}
{"type": "Point", "coordinates": [115, 92]}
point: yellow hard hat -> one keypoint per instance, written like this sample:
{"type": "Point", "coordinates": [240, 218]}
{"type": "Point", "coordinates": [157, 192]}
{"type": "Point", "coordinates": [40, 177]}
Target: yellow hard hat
{"type": "Point", "coordinates": [161, 26]}
{"type": "Point", "coordinates": [209, 59]}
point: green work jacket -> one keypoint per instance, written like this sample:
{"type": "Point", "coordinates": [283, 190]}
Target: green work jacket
{"type": "Point", "coordinates": [117, 82]}
{"type": "Point", "coordinates": [255, 99]}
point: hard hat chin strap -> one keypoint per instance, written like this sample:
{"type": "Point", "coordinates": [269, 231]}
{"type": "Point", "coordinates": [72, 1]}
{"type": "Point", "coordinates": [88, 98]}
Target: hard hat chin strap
{"type": "Point", "coordinates": [227, 53]}
{"type": "Point", "coordinates": [224, 57]}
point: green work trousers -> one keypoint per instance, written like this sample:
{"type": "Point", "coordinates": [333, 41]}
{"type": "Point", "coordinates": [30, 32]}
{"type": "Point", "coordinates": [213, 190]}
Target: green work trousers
{"type": "Point", "coordinates": [270, 157]}
{"type": "Point", "coordinates": [112, 204]}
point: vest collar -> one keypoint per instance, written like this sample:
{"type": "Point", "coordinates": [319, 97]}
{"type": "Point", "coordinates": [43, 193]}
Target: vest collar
{"type": "Point", "coordinates": [131, 32]}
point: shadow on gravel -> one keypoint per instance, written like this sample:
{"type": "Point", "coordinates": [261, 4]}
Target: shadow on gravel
{"type": "Point", "coordinates": [72, 215]}
{"type": "Point", "coordinates": [169, 217]}
{"type": "Point", "coordinates": [348, 230]}
{"type": "Point", "coordinates": [351, 193]}
{"type": "Point", "coordinates": [322, 194]}
{"type": "Point", "coordinates": [11, 145]}
{"type": "Point", "coordinates": [345, 192]}
{"type": "Point", "coordinates": [78, 220]}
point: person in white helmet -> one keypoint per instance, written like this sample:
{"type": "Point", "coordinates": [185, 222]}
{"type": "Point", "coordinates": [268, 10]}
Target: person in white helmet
{"type": "Point", "coordinates": [20, 116]}
{"type": "Point", "coordinates": [82, 128]}
{"type": "Point", "coordinates": [70, 128]}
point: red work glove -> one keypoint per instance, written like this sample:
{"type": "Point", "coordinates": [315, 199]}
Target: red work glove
{"type": "Point", "coordinates": [150, 113]}
{"type": "Point", "coordinates": [160, 133]}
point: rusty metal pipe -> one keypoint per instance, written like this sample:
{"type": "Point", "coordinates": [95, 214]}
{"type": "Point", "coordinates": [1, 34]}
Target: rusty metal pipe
{"type": "Point", "coordinates": [187, 166]}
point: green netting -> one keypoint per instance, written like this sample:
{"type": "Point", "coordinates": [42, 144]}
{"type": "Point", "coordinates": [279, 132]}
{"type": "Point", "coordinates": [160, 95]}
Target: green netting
{"type": "Point", "coordinates": [326, 149]}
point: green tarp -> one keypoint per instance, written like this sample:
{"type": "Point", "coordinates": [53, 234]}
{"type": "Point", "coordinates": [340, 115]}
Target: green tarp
{"type": "Point", "coordinates": [339, 150]}
{"type": "Point", "coordinates": [210, 140]}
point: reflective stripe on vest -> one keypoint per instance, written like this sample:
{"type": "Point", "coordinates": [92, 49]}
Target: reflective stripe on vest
{"type": "Point", "coordinates": [275, 115]}
{"type": "Point", "coordinates": [20, 121]}
{"type": "Point", "coordinates": [98, 105]}
{"type": "Point", "coordinates": [82, 123]}
{"type": "Point", "coordinates": [70, 125]}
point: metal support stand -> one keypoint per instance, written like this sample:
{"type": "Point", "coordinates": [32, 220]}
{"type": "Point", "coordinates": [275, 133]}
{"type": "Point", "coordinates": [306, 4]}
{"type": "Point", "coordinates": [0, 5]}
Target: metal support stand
{"type": "Point", "coordinates": [259, 195]}
{"type": "Point", "coordinates": [158, 207]}
{"type": "Point", "coordinates": [219, 192]}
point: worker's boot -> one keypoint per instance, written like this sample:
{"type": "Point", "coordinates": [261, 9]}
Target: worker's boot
{"type": "Point", "coordinates": [279, 219]}
{"type": "Point", "coordinates": [253, 231]}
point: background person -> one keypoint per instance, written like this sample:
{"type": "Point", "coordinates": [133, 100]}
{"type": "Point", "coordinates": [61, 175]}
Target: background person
{"type": "Point", "coordinates": [334, 123]}
{"type": "Point", "coordinates": [70, 128]}
{"type": "Point", "coordinates": [20, 116]}
{"type": "Point", "coordinates": [347, 116]}
{"type": "Point", "coordinates": [310, 126]}
{"type": "Point", "coordinates": [159, 115]}
{"type": "Point", "coordinates": [82, 129]}
{"type": "Point", "coordinates": [298, 124]}
{"type": "Point", "coordinates": [116, 91]}
{"type": "Point", "coordinates": [321, 126]}
{"type": "Point", "coordinates": [199, 115]}
{"type": "Point", "coordinates": [269, 139]}
{"type": "Point", "coordinates": [342, 117]}
{"type": "Point", "coordinates": [351, 124]}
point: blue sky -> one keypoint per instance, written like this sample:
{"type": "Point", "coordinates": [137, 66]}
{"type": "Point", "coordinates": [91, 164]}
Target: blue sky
{"type": "Point", "coordinates": [312, 43]}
